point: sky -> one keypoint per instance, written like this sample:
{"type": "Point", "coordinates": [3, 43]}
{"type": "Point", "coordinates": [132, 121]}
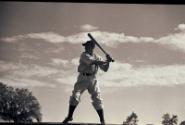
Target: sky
{"type": "Point", "coordinates": [40, 45]}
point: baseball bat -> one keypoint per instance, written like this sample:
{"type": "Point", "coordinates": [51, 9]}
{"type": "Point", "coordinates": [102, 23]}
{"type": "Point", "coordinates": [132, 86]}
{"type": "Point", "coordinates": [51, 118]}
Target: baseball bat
{"type": "Point", "coordinates": [91, 37]}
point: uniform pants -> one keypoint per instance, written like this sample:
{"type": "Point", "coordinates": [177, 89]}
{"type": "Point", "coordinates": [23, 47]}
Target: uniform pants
{"type": "Point", "coordinates": [89, 83]}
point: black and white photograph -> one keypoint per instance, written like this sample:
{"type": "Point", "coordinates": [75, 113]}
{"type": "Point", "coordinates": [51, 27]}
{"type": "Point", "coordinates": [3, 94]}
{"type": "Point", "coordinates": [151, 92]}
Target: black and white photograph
{"type": "Point", "coordinates": [92, 63]}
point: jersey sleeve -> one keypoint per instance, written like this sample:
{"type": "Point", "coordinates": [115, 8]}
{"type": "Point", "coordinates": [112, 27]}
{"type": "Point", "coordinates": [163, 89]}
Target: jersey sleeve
{"type": "Point", "coordinates": [99, 58]}
{"type": "Point", "coordinates": [103, 66]}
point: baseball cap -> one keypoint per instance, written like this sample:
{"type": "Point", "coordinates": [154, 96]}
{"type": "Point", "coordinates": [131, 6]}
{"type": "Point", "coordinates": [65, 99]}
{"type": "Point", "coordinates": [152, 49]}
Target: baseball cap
{"type": "Point", "coordinates": [89, 43]}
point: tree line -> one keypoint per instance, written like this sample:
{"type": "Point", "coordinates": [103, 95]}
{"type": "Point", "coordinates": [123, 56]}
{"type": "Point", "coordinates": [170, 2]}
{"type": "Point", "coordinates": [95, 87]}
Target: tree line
{"type": "Point", "coordinates": [18, 105]}
{"type": "Point", "coordinates": [167, 119]}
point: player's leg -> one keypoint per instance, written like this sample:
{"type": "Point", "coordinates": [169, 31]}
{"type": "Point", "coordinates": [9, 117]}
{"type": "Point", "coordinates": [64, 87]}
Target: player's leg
{"type": "Point", "coordinates": [94, 90]}
{"type": "Point", "coordinates": [79, 88]}
{"type": "Point", "coordinates": [70, 114]}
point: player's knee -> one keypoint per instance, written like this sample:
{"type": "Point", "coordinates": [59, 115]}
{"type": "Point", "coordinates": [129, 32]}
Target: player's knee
{"type": "Point", "coordinates": [96, 97]}
{"type": "Point", "coordinates": [74, 99]}
{"type": "Point", "coordinates": [97, 101]}
{"type": "Point", "coordinates": [97, 105]}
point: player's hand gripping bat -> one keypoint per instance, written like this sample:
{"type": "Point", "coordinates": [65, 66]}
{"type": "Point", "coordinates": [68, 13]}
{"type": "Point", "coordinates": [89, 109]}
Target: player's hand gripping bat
{"type": "Point", "coordinates": [109, 58]}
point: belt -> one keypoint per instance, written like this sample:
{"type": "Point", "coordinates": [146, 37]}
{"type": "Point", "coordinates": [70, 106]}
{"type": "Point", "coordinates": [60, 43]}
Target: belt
{"type": "Point", "coordinates": [87, 74]}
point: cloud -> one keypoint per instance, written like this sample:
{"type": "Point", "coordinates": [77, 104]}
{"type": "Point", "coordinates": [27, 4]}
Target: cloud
{"type": "Point", "coordinates": [24, 70]}
{"type": "Point", "coordinates": [28, 56]}
{"type": "Point", "coordinates": [33, 75]}
{"type": "Point", "coordinates": [111, 39]}
{"type": "Point", "coordinates": [64, 71]}
{"type": "Point", "coordinates": [64, 62]}
{"type": "Point", "coordinates": [25, 82]}
{"type": "Point", "coordinates": [88, 27]}
{"type": "Point", "coordinates": [122, 74]}
{"type": "Point", "coordinates": [174, 41]}
{"type": "Point", "coordinates": [69, 79]}
{"type": "Point", "coordinates": [108, 38]}
{"type": "Point", "coordinates": [4, 66]}
{"type": "Point", "coordinates": [17, 74]}
{"type": "Point", "coordinates": [58, 61]}
{"type": "Point", "coordinates": [47, 36]}
{"type": "Point", "coordinates": [35, 70]}
{"type": "Point", "coordinates": [51, 37]}
{"type": "Point", "coordinates": [180, 27]}
{"type": "Point", "coordinates": [119, 74]}
{"type": "Point", "coordinates": [67, 76]}
{"type": "Point", "coordinates": [75, 61]}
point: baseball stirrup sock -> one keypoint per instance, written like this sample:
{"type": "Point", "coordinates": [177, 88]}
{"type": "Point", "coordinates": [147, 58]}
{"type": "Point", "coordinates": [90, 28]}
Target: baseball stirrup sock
{"type": "Point", "coordinates": [101, 115]}
{"type": "Point", "coordinates": [70, 114]}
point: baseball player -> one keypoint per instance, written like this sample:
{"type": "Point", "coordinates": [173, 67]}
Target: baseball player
{"type": "Point", "coordinates": [88, 67]}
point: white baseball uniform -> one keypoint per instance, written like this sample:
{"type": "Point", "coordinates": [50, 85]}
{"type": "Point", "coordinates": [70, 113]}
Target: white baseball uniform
{"type": "Point", "coordinates": [87, 80]}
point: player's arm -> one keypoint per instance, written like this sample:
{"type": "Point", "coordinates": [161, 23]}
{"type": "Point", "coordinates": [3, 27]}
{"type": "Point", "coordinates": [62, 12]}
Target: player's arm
{"type": "Point", "coordinates": [98, 62]}
{"type": "Point", "coordinates": [90, 60]}
{"type": "Point", "coordinates": [104, 65]}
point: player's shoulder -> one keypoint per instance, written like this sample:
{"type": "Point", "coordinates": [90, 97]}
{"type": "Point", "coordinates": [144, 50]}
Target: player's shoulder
{"type": "Point", "coordinates": [85, 55]}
